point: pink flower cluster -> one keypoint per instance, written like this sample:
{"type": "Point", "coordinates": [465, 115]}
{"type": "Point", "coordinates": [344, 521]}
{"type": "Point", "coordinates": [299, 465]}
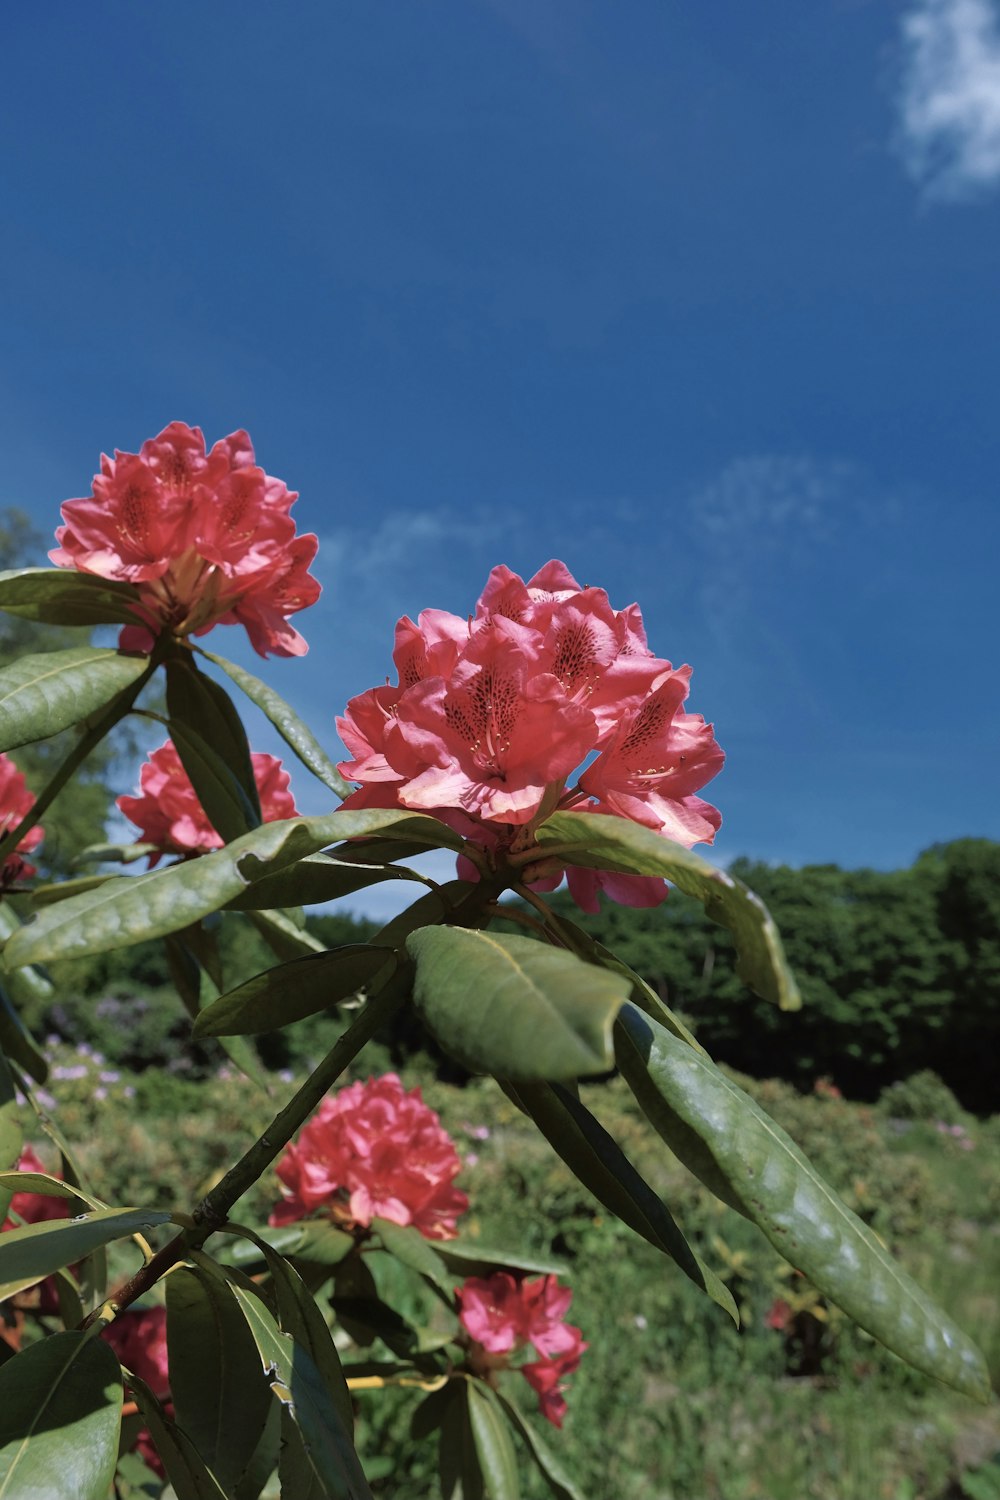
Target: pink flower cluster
{"type": "Point", "coordinates": [15, 801]}
{"type": "Point", "coordinates": [503, 1315]}
{"type": "Point", "coordinates": [205, 536]}
{"type": "Point", "coordinates": [167, 811]}
{"type": "Point", "coordinates": [373, 1150]}
{"type": "Point", "coordinates": [492, 715]}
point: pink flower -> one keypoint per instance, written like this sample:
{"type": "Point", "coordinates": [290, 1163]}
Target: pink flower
{"type": "Point", "coordinates": [167, 811]}
{"type": "Point", "coordinates": [491, 717]}
{"type": "Point", "coordinates": [206, 537]}
{"type": "Point", "coordinates": [34, 1208]}
{"type": "Point", "coordinates": [15, 801]}
{"type": "Point", "coordinates": [139, 1338]}
{"type": "Point", "coordinates": [374, 1150]}
{"type": "Point", "coordinates": [502, 1315]}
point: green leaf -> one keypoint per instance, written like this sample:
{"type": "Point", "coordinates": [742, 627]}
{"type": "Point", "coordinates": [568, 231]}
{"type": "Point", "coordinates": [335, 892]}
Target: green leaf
{"type": "Point", "coordinates": [318, 878]}
{"type": "Point", "coordinates": [62, 596]}
{"type": "Point", "coordinates": [61, 890]}
{"type": "Point", "coordinates": [130, 908]}
{"type": "Point", "coordinates": [187, 1471]}
{"type": "Point", "coordinates": [470, 1258]}
{"type": "Point", "coordinates": [514, 1006]}
{"type": "Point", "coordinates": [298, 1385]}
{"type": "Point", "coordinates": [597, 1161]}
{"type": "Point", "coordinates": [217, 788]}
{"type": "Point", "coordinates": [119, 854]}
{"type": "Point", "coordinates": [195, 700]}
{"type": "Point", "coordinates": [491, 1435]}
{"type": "Point", "coordinates": [599, 842]}
{"type": "Point", "coordinates": [41, 695]}
{"type": "Point", "coordinates": [799, 1213]}
{"type": "Point", "coordinates": [562, 1485]}
{"type": "Point", "coordinates": [314, 1240]}
{"type": "Point", "coordinates": [60, 1414]}
{"type": "Point", "coordinates": [458, 1462]}
{"type": "Point", "coordinates": [11, 1134]}
{"type": "Point", "coordinates": [30, 1254]}
{"type": "Point", "coordinates": [288, 724]}
{"type": "Point", "coordinates": [16, 1040]}
{"type": "Point", "coordinates": [46, 1186]}
{"type": "Point", "coordinates": [285, 938]}
{"type": "Point", "coordinates": [280, 996]}
{"type": "Point", "coordinates": [220, 1399]}
{"type": "Point", "coordinates": [407, 1245]}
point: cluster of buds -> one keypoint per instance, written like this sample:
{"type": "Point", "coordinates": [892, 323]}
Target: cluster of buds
{"type": "Point", "coordinates": [502, 1315]}
{"type": "Point", "coordinates": [15, 801]}
{"type": "Point", "coordinates": [206, 537]}
{"type": "Point", "coordinates": [492, 715]}
{"type": "Point", "coordinates": [167, 811]}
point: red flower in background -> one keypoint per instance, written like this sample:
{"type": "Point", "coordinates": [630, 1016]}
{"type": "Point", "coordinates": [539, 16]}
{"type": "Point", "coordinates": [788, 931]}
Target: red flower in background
{"type": "Point", "coordinates": [37, 1208]}
{"type": "Point", "coordinates": [492, 715]}
{"type": "Point", "coordinates": [502, 1315]}
{"type": "Point", "coordinates": [374, 1150]}
{"type": "Point", "coordinates": [139, 1338]}
{"type": "Point", "coordinates": [167, 811]}
{"type": "Point", "coordinates": [15, 801]}
{"type": "Point", "coordinates": [205, 536]}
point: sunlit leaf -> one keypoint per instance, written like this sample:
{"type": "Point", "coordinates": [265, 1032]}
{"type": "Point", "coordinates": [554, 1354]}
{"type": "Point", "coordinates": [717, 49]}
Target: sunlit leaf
{"type": "Point", "coordinates": [562, 1485]}
{"type": "Point", "coordinates": [491, 1435]}
{"type": "Point", "coordinates": [30, 1254]}
{"type": "Point", "coordinates": [62, 596]}
{"type": "Point", "coordinates": [40, 695]}
{"type": "Point", "coordinates": [60, 1414]}
{"type": "Point", "coordinates": [513, 1006]}
{"type": "Point", "coordinates": [280, 996]}
{"type": "Point", "coordinates": [801, 1215]}
{"type": "Point", "coordinates": [599, 842]}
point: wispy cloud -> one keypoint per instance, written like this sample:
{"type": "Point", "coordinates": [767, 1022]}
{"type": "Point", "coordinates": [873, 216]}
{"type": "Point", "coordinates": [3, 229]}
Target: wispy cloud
{"type": "Point", "coordinates": [949, 98]}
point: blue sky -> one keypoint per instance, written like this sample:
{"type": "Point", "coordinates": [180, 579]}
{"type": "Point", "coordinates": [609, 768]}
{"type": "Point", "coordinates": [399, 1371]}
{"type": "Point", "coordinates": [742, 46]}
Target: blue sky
{"type": "Point", "coordinates": [701, 299]}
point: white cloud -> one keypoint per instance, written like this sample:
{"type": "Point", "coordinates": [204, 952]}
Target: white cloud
{"type": "Point", "coordinates": [949, 100]}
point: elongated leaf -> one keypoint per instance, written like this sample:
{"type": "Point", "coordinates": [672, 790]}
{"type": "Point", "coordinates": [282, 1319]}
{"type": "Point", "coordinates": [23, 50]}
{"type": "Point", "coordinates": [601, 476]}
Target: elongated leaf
{"type": "Point", "coordinates": [61, 596]}
{"type": "Point", "coordinates": [288, 724]}
{"type": "Point", "coordinates": [800, 1214]}
{"type": "Point", "coordinates": [129, 909]}
{"type": "Point", "coordinates": [299, 1387]}
{"type": "Point", "coordinates": [599, 842]}
{"type": "Point", "coordinates": [470, 1258]}
{"type": "Point", "coordinates": [314, 1240]}
{"type": "Point", "coordinates": [491, 1435]}
{"type": "Point", "coordinates": [513, 1006]}
{"type": "Point", "coordinates": [189, 1475]}
{"type": "Point", "coordinates": [16, 1041]}
{"type": "Point", "coordinates": [45, 1186]}
{"type": "Point", "coordinates": [195, 700]}
{"type": "Point", "coordinates": [60, 1414]}
{"type": "Point", "coordinates": [458, 1462]}
{"type": "Point", "coordinates": [318, 878]}
{"type": "Point", "coordinates": [44, 694]}
{"type": "Point", "coordinates": [11, 1134]}
{"type": "Point", "coordinates": [285, 938]}
{"type": "Point", "coordinates": [407, 1245]}
{"type": "Point", "coordinates": [226, 804]}
{"type": "Point", "coordinates": [596, 1159]}
{"type": "Point", "coordinates": [562, 1485]}
{"type": "Point", "coordinates": [30, 1254]}
{"type": "Point", "coordinates": [280, 996]}
{"type": "Point", "coordinates": [220, 1399]}
{"type": "Point", "coordinates": [119, 854]}
{"type": "Point", "coordinates": [61, 890]}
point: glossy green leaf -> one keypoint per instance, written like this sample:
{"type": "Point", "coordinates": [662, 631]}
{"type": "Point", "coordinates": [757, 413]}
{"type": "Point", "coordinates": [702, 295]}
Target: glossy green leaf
{"type": "Point", "coordinates": [130, 909]}
{"type": "Point", "coordinates": [223, 799]}
{"type": "Point", "coordinates": [318, 878]}
{"type": "Point", "coordinates": [599, 842]}
{"type": "Point", "coordinates": [60, 1414]}
{"type": "Point", "coordinates": [195, 700]}
{"type": "Point", "coordinates": [16, 1041]}
{"type": "Point", "coordinates": [40, 695]}
{"type": "Point", "coordinates": [314, 1240]}
{"type": "Point", "coordinates": [298, 1385]}
{"type": "Point", "coordinates": [61, 890]}
{"type": "Point", "coordinates": [491, 1435]}
{"type": "Point", "coordinates": [30, 1254]}
{"type": "Point", "coordinates": [11, 1133]}
{"type": "Point", "coordinates": [513, 1006]}
{"type": "Point", "coordinates": [285, 938]}
{"type": "Point", "coordinates": [220, 1399]}
{"type": "Point", "coordinates": [562, 1485]}
{"type": "Point", "coordinates": [597, 1161]}
{"type": "Point", "coordinates": [800, 1214]}
{"type": "Point", "coordinates": [470, 1258]}
{"type": "Point", "coordinates": [46, 1186]}
{"type": "Point", "coordinates": [458, 1461]}
{"type": "Point", "coordinates": [118, 854]}
{"type": "Point", "coordinates": [286, 721]}
{"type": "Point", "coordinates": [62, 596]}
{"type": "Point", "coordinates": [407, 1245]}
{"type": "Point", "coordinates": [189, 1475]}
{"type": "Point", "coordinates": [280, 996]}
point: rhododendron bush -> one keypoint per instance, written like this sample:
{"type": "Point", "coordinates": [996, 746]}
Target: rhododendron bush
{"type": "Point", "coordinates": [538, 738]}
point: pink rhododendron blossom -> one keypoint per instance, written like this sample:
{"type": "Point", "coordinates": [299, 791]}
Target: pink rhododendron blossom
{"type": "Point", "coordinates": [139, 1338]}
{"type": "Point", "coordinates": [34, 1208]}
{"type": "Point", "coordinates": [373, 1150]}
{"type": "Point", "coordinates": [502, 1315]}
{"type": "Point", "coordinates": [492, 716]}
{"type": "Point", "coordinates": [15, 801]}
{"type": "Point", "coordinates": [206, 538]}
{"type": "Point", "coordinates": [167, 811]}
